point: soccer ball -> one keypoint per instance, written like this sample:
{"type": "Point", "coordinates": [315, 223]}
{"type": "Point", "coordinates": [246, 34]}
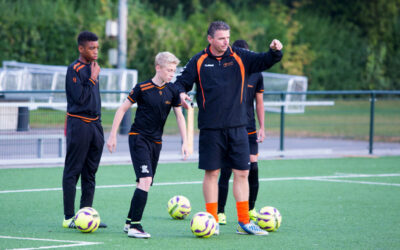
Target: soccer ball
{"type": "Point", "coordinates": [87, 220]}
{"type": "Point", "coordinates": [203, 225]}
{"type": "Point", "coordinates": [179, 207]}
{"type": "Point", "coordinates": [269, 218]}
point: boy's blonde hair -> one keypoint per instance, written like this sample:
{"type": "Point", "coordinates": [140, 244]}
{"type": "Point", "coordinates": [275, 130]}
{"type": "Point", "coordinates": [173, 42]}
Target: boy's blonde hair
{"type": "Point", "coordinates": [164, 58]}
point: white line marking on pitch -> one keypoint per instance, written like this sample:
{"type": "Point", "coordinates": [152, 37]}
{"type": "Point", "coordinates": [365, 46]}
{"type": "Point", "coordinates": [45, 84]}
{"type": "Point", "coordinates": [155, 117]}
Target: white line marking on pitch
{"type": "Point", "coordinates": [74, 243]}
{"type": "Point", "coordinates": [200, 182]}
{"type": "Point", "coordinates": [358, 182]}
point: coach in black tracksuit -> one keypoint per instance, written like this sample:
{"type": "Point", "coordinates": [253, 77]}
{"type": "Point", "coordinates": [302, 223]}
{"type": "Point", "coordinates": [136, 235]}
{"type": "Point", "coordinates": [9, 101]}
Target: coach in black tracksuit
{"type": "Point", "coordinates": [85, 137]}
{"type": "Point", "coordinates": [220, 74]}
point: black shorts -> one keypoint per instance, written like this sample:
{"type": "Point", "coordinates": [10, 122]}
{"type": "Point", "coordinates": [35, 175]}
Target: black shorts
{"type": "Point", "coordinates": [224, 147]}
{"type": "Point", "coordinates": [253, 144]}
{"type": "Point", "coordinates": [144, 154]}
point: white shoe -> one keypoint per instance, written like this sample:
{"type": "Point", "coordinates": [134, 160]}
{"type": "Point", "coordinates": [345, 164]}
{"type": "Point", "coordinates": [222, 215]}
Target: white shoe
{"type": "Point", "coordinates": [216, 229]}
{"type": "Point", "coordinates": [250, 228]}
{"type": "Point", "coordinates": [126, 228]}
{"type": "Point", "coordinates": [138, 233]}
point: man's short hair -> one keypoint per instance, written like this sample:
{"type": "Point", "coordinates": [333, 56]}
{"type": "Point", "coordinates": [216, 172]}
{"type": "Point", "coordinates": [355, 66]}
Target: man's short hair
{"type": "Point", "coordinates": [165, 58]}
{"type": "Point", "coordinates": [217, 25]}
{"type": "Point", "coordinates": [241, 44]}
{"type": "Point", "coordinates": [86, 36]}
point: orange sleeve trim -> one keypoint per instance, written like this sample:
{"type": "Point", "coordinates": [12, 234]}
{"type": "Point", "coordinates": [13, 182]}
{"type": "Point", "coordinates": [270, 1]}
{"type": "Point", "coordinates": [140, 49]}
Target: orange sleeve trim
{"type": "Point", "coordinates": [242, 72]}
{"type": "Point", "coordinates": [85, 119]}
{"type": "Point", "coordinates": [131, 99]}
{"type": "Point", "coordinates": [157, 142]}
{"type": "Point", "coordinates": [261, 90]}
{"type": "Point", "coordinates": [133, 133]}
{"type": "Point", "coordinates": [199, 63]}
{"type": "Point", "coordinates": [94, 83]}
{"type": "Point", "coordinates": [251, 133]}
{"type": "Point", "coordinates": [76, 65]}
{"type": "Point", "coordinates": [80, 67]}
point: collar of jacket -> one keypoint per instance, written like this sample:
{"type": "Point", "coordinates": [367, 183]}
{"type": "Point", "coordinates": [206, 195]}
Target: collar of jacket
{"type": "Point", "coordinates": [228, 52]}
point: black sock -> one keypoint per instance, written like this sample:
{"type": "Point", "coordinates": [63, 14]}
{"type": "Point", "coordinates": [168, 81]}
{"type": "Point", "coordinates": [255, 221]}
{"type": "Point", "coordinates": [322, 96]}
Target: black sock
{"type": "Point", "coordinates": [138, 203]}
{"type": "Point", "coordinates": [223, 187]}
{"type": "Point", "coordinates": [67, 217]}
{"type": "Point", "coordinates": [253, 184]}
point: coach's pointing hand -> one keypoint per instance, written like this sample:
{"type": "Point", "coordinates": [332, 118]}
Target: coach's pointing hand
{"type": "Point", "coordinates": [276, 45]}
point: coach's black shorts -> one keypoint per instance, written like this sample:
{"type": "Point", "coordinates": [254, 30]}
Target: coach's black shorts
{"type": "Point", "coordinates": [253, 144]}
{"type": "Point", "coordinates": [144, 154]}
{"type": "Point", "coordinates": [224, 147]}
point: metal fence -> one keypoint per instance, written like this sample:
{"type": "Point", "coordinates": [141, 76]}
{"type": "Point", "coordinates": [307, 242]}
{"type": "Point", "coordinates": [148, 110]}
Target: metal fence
{"type": "Point", "coordinates": [35, 131]}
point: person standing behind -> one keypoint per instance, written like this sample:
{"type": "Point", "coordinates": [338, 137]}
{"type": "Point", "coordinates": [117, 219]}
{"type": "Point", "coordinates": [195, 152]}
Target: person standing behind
{"type": "Point", "coordinates": [155, 98]}
{"type": "Point", "coordinates": [85, 138]}
{"type": "Point", "coordinates": [255, 89]}
{"type": "Point", "coordinates": [220, 73]}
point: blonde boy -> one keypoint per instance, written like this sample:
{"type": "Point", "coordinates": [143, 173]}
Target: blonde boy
{"type": "Point", "coordinates": [154, 98]}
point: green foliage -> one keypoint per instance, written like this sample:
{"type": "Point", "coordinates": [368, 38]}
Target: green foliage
{"type": "Point", "coordinates": [337, 44]}
{"type": "Point", "coordinates": [340, 53]}
{"type": "Point", "coordinates": [45, 31]}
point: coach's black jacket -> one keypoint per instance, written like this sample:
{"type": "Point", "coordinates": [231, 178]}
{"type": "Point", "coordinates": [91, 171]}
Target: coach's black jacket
{"type": "Point", "coordinates": [220, 84]}
{"type": "Point", "coordinates": [83, 93]}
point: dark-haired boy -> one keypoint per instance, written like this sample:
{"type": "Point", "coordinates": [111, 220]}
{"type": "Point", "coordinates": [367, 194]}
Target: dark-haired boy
{"type": "Point", "coordinates": [255, 89]}
{"type": "Point", "coordinates": [85, 139]}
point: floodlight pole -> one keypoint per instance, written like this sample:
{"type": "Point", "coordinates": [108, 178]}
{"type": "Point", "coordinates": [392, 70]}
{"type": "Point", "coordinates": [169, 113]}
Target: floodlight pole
{"type": "Point", "coordinates": [122, 51]}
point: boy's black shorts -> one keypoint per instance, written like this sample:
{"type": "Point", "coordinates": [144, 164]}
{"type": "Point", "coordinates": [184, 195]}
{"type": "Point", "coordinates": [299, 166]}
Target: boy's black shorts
{"type": "Point", "coordinates": [253, 144]}
{"type": "Point", "coordinates": [224, 147]}
{"type": "Point", "coordinates": [144, 154]}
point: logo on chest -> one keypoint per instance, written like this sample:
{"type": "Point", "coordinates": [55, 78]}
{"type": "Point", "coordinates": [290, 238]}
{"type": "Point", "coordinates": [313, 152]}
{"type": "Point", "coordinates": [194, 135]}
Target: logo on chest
{"type": "Point", "coordinates": [227, 64]}
{"type": "Point", "coordinates": [168, 102]}
{"type": "Point", "coordinates": [208, 65]}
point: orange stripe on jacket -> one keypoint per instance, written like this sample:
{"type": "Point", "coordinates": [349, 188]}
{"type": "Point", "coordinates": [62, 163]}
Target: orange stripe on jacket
{"type": "Point", "coordinates": [199, 63]}
{"type": "Point", "coordinates": [252, 133]}
{"type": "Point", "coordinates": [80, 67]}
{"type": "Point", "coordinates": [242, 72]}
{"type": "Point", "coordinates": [76, 65]}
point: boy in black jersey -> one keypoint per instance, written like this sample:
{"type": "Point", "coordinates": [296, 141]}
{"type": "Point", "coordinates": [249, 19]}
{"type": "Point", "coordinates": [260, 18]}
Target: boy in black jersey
{"type": "Point", "coordinates": [255, 89]}
{"type": "Point", "coordinates": [85, 139]}
{"type": "Point", "coordinates": [154, 98]}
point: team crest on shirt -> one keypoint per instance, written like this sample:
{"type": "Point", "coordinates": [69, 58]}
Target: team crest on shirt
{"type": "Point", "coordinates": [145, 169]}
{"type": "Point", "coordinates": [160, 92]}
{"type": "Point", "coordinates": [167, 102]}
{"type": "Point", "coordinates": [74, 79]}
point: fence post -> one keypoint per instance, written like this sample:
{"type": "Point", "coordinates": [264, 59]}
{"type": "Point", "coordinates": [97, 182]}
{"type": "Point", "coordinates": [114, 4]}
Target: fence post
{"type": "Point", "coordinates": [282, 130]}
{"type": "Point", "coordinates": [371, 123]}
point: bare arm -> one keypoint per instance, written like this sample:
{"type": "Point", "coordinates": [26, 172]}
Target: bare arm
{"type": "Point", "coordinates": [260, 116]}
{"type": "Point", "coordinates": [112, 139]}
{"type": "Point", "coordinates": [180, 119]}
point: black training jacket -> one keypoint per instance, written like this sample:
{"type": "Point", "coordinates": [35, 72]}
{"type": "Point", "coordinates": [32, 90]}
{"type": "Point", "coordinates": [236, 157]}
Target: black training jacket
{"type": "Point", "coordinates": [83, 93]}
{"type": "Point", "coordinates": [221, 84]}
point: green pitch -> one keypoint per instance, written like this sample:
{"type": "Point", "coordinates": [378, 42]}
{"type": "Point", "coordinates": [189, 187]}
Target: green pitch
{"type": "Point", "coordinates": [348, 203]}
